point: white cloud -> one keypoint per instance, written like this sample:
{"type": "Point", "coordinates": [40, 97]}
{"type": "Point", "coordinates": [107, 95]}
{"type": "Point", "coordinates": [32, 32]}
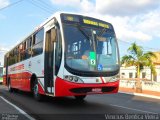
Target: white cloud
{"type": "Point", "coordinates": [86, 6]}
{"type": "Point", "coordinates": [4, 3]}
{"type": "Point", "coordinates": [125, 7]}
{"type": "Point", "coordinates": [149, 23]}
{"type": "Point", "coordinates": [73, 3]}
{"type": "Point", "coordinates": [3, 50]}
{"type": "Point", "coordinates": [129, 35]}
{"type": "Point", "coordinates": [81, 5]}
{"type": "Point", "coordinates": [125, 29]}
{"type": "Point", "coordinates": [1, 58]}
{"type": "Point", "coordinates": [133, 20]}
{"type": "Point", "coordinates": [141, 26]}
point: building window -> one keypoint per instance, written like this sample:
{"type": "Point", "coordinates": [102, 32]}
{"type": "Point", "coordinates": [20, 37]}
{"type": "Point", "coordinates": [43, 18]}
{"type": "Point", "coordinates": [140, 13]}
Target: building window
{"type": "Point", "coordinates": [135, 74]}
{"type": "Point", "coordinates": [130, 75]}
{"type": "Point", "coordinates": [143, 75]}
{"type": "Point", "coordinates": [122, 75]}
{"type": "Point", "coordinates": [155, 77]}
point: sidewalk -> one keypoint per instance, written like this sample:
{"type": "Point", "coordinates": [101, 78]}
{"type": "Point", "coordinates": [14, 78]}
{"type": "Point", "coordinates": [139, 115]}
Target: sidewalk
{"type": "Point", "coordinates": [145, 93]}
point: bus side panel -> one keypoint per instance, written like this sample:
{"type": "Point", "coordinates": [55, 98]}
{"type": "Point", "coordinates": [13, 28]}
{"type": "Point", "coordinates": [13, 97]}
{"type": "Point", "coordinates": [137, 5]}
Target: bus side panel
{"type": "Point", "coordinates": [25, 81]}
{"type": "Point", "coordinates": [20, 81]}
{"type": "Point", "coordinates": [64, 88]}
{"type": "Point", "coordinates": [13, 80]}
{"type": "Point", "coordinates": [4, 80]}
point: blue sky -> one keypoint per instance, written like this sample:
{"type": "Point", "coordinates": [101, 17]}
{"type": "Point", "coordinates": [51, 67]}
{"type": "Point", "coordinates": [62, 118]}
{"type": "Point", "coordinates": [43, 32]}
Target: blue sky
{"type": "Point", "coordinates": [133, 20]}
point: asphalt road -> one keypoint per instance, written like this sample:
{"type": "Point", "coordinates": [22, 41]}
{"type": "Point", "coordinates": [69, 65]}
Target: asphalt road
{"type": "Point", "coordinates": [7, 111]}
{"type": "Point", "coordinates": [94, 107]}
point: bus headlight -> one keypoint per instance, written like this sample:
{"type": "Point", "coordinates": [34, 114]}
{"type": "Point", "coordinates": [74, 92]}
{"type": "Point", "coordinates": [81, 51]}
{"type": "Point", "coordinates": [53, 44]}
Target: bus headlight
{"type": "Point", "coordinates": [73, 79]}
{"type": "Point", "coordinates": [113, 79]}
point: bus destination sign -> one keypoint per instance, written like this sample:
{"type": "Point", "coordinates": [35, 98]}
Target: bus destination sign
{"type": "Point", "coordinates": [96, 23]}
{"type": "Point", "coordinates": [78, 19]}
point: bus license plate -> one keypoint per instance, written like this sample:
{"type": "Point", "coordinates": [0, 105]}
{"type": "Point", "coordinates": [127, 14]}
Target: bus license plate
{"type": "Point", "coordinates": [96, 90]}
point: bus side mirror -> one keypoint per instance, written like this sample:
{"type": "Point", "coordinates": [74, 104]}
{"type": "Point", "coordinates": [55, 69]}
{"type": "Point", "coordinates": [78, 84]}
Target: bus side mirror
{"type": "Point", "coordinates": [53, 35]}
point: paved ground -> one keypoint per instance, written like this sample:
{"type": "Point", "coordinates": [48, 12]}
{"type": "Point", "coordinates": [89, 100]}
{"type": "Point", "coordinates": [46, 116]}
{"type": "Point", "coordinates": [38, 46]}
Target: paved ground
{"type": "Point", "coordinates": [95, 107]}
{"type": "Point", "coordinates": [8, 112]}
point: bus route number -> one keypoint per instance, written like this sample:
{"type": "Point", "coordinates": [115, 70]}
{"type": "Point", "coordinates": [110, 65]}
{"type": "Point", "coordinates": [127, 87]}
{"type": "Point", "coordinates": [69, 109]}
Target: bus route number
{"type": "Point", "coordinates": [93, 62]}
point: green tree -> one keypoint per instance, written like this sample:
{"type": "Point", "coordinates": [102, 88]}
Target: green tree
{"type": "Point", "coordinates": [138, 58]}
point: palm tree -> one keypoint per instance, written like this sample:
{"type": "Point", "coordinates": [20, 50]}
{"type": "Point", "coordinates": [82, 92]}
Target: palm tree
{"type": "Point", "coordinates": [138, 58]}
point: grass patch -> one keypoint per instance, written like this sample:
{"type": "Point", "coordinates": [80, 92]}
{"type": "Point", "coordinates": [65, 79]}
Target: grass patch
{"type": "Point", "coordinates": [1, 79]}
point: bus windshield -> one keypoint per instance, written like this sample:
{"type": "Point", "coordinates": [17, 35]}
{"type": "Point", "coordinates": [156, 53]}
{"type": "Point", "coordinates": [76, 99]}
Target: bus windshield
{"type": "Point", "coordinates": [80, 54]}
{"type": "Point", "coordinates": [90, 49]}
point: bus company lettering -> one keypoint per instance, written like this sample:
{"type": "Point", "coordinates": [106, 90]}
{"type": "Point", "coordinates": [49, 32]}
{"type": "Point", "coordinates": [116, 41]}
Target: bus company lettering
{"type": "Point", "coordinates": [19, 67]}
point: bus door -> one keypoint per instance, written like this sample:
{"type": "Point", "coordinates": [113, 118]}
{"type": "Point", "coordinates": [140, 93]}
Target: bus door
{"type": "Point", "coordinates": [49, 61]}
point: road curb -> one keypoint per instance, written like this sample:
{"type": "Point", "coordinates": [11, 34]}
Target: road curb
{"type": "Point", "coordinates": [142, 95]}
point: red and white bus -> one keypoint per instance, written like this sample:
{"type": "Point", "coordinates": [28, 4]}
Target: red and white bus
{"type": "Point", "coordinates": [67, 55]}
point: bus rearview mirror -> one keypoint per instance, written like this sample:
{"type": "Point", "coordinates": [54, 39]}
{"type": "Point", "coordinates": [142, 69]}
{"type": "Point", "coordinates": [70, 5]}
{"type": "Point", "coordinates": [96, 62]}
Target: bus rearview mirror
{"type": "Point", "coordinates": [53, 35]}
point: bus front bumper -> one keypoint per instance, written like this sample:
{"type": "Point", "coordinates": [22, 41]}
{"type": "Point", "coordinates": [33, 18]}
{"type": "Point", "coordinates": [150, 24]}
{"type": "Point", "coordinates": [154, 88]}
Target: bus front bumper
{"type": "Point", "coordinates": [66, 88]}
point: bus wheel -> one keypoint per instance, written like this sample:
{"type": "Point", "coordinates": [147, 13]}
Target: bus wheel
{"type": "Point", "coordinates": [80, 98]}
{"type": "Point", "coordinates": [10, 89]}
{"type": "Point", "coordinates": [36, 94]}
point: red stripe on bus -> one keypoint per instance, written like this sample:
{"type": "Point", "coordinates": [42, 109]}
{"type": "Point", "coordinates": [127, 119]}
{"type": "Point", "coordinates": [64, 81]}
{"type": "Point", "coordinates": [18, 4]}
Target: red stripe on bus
{"type": "Point", "coordinates": [102, 80]}
{"type": "Point", "coordinates": [19, 67]}
{"type": "Point", "coordinates": [21, 81]}
{"type": "Point", "coordinates": [40, 89]}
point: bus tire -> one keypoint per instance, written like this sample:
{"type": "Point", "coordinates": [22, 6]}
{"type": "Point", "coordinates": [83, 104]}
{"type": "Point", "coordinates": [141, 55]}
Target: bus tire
{"type": "Point", "coordinates": [36, 94]}
{"type": "Point", "coordinates": [10, 89]}
{"type": "Point", "coordinates": [80, 98]}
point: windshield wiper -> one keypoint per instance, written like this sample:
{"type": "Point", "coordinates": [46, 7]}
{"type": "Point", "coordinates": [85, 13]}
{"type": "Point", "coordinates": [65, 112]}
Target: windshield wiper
{"type": "Point", "coordinates": [101, 33]}
{"type": "Point", "coordinates": [84, 33]}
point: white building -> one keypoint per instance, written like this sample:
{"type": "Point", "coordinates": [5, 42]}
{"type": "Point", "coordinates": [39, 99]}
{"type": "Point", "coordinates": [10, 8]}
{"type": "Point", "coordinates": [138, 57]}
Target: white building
{"type": "Point", "coordinates": [130, 72]}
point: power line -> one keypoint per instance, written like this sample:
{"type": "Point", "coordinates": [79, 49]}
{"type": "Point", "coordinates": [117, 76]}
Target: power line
{"type": "Point", "coordinates": [40, 6]}
{"type": "Point", "coordinates": [46, 5]}
{"type": "Point", "coordinates": [10, 5]}
{"type": "Point", "coordinates": [145, 47]}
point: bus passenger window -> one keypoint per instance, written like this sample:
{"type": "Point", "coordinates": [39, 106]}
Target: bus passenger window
{"type": "Point", "coordinates": [37, 47]}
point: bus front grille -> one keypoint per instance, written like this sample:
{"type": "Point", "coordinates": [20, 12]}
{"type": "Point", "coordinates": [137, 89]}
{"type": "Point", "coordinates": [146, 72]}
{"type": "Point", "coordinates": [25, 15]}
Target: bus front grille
{"type": "Point", "coordinates": [89, 89]}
